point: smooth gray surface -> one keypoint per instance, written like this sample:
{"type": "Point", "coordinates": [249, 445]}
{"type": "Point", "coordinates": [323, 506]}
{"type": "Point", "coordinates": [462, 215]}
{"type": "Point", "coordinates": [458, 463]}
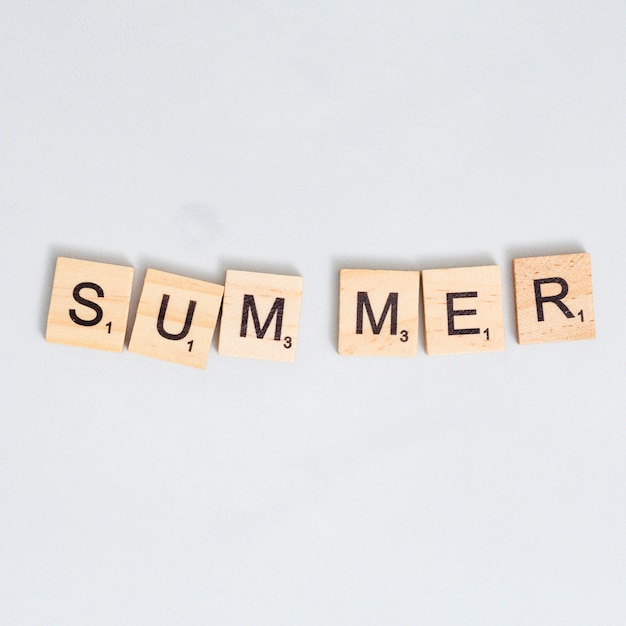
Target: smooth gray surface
{"type": "Point", "coordinates": [302, 138]}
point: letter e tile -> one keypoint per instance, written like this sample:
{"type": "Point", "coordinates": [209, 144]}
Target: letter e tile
{"type": "Point", "coordinates": [463, 310]}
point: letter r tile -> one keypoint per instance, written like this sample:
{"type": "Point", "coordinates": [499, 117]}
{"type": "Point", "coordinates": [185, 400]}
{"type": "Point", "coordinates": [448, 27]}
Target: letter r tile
{"type": "Point", "coordinates": [463, 310]}
{"type": "Point", "coordinates": [260, 316]}
{"type": "Point", "coordinates": [176, 318]}
{"type": "Point", "coordinates": [378, 312]}
{"type": "Point", "coordinates": [89, 304]}
{"type": "Point", "coordinates": [554, 298]}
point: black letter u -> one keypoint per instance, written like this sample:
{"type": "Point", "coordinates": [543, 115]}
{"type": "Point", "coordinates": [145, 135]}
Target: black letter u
{"type": "Point", "coordinates": [183, 333]}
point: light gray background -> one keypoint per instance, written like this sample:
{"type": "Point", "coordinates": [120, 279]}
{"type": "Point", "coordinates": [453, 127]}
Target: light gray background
{"type": "Point", "coordinates": [302, 138]}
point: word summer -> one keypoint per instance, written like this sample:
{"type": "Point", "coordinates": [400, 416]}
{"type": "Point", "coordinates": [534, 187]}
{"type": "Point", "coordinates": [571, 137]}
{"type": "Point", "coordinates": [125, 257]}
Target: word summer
{"type": "Point", "coordinates": [378, 310]}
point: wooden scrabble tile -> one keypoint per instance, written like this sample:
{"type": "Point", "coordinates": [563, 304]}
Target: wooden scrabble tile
{"type": "Point", "coordinates": [89, 304]}
{"type": "Point", "coordinates": [554, 298]}
{"type": "Point", "coordinates": [463, 310]}
{"type": "Point", "coordinates": [260, 316]}
{"type": "Point", "coordinates": [378, 312]}
{"type": "Point", "coordinates": [176, 318]}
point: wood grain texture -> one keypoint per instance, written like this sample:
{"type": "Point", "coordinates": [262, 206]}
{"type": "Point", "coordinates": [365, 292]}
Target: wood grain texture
{"type": "Point", "coordinates": [463, 310]}
{"type": "Point", "coordinates": [100, 325]}
{"type": "Point", "coordinates": [260, 316]}
{"type": "Point", "coordinates": [543, 282]}
{"type": "Point", "coordinates": [378, 312]}
{"type": "Point", "coordinates": [176, 318]}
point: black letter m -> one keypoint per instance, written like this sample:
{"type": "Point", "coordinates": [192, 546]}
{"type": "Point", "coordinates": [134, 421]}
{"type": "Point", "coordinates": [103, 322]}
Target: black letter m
{"type": "Point", "coordinates": [249, 307]}
{"type": "Point", "coordinates": [363, 302]}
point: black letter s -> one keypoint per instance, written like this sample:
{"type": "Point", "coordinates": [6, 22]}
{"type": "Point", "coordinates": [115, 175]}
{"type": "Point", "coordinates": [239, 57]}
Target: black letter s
{"type": "Point", "coordinates": [88, 303]}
